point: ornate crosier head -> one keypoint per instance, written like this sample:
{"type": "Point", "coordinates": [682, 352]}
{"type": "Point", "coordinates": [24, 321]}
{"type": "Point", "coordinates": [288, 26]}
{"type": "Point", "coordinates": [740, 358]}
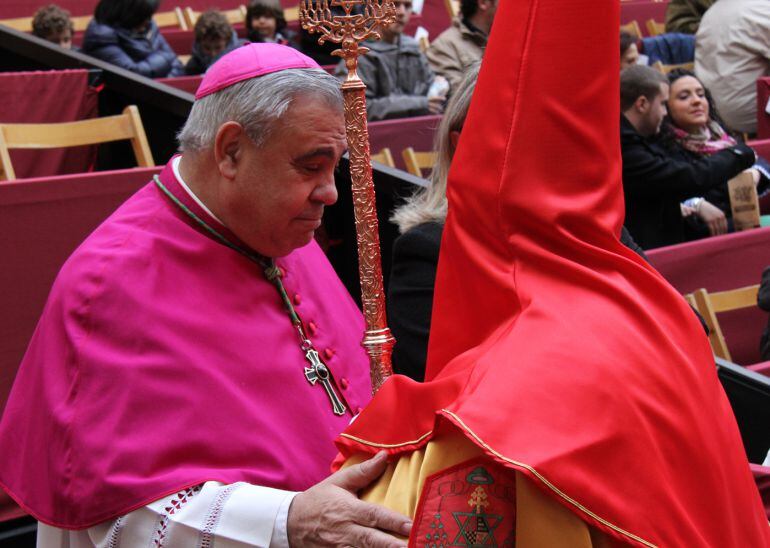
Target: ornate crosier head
{"type": "Point", "coordinates": [348, 30]}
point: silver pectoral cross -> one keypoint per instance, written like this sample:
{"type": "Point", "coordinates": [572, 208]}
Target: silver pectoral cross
{"type": "Point", "coordinates": [319, 372]}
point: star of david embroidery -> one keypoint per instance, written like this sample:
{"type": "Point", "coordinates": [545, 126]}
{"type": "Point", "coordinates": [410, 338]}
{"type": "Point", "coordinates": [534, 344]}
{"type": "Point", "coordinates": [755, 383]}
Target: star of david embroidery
{"type": "Point", "coordinates": [487, 488]}
{"type": "Point", "coordinates": [476, 529]}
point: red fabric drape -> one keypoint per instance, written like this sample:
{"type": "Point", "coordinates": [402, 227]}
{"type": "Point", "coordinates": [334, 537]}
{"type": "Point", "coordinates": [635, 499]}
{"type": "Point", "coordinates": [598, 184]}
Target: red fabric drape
{"type": "Point", "coordinates": [185, 83]}
{"type": "Point", "coordinates": [47, 97]}
{"type": "Point", "coordinates": [641, 11]}
{"type": "Point", "coordinates": [417, 132]}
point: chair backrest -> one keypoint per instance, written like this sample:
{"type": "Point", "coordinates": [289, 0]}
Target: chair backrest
{"type": "Point", "coordinates": [452, 7]}
{"type": "Point", "coordinates": [384, 157]}
{"type": "Point", "coordinates": [291, 14]}
{"type": "Point", "coordinates": [424, 43]}
{"type": "Point", "coordinates": [654, 28]}
{"type": "Point", "coordinates": [665, 69]}
{"type": "Point", "coordinates": [174, 18]}
{"type": "Point", "coordinates": [711, 304]}
{"type": "Point", "coordinates": [126, 126]}
{"type": "Point", "coordinates": [632, 28]}
{"type": "Point", "coordinates": [417, 161]}
{"type": "Point", "coordinates": [236, 16]}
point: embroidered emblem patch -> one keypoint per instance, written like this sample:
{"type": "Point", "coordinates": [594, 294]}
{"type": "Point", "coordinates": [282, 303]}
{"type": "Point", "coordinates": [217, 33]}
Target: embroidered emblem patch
{"type": "Point", "coordinates": [470, 504]}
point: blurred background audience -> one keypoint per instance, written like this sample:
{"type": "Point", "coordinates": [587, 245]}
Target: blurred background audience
{"type": "Point", "coordinates": [214, 37]}
{"type": "Point", "coordinates": [396, 73]}
{"type": "Point", "coordinates": [463, 43]}
{"type": "Point", "coordinates": [655, 181]}
{"type": "Point", "coordinates": [266, 22]}
{"type": "Point", "coordinates": [123, 33]}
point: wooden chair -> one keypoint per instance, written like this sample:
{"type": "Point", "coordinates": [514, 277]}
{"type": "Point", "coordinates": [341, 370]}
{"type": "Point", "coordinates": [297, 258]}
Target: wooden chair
{"type": "Point", "coordinates": [654, 28]}
{"type": "Point", "coordinates": [632, 28]}
{"type": "Point", "coordinates": [424, 43]}
{"type": "Point", "coordinates": [291, 14]}
{"type": "Point", "coordinates": [452, 7]}
{"type": "Point", "coordinates": [235, 16]}
{"type": "Point", "coordinates": [174, 18]}
{"type": "Point", "coordinates": [417, 161]}
{"type": "Point", "coordinates": [665, 69]}
{"type": "Point", "coordinates": [126, 126]}
{"type": "Point", "coordinates": [384, 157]}
{"type": "Point", "coordinates": [711, 304]}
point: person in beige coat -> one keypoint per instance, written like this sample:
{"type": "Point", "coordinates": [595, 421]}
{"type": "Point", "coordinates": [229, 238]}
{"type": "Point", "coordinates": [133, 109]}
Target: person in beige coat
{"type": "Point", "coordinates": [732, 50]}
{"type": "Point", "coordinates": [462, 44]}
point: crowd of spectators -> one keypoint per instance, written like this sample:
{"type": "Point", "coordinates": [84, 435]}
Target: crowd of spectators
{"type": "Point", "coordinates": [123, 33]}
{"type": "Point", "coordinates": [681, 135]}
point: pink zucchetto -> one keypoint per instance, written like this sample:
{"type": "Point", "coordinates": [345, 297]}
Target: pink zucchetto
{"type": "Point", "coordinates": [250, 61]}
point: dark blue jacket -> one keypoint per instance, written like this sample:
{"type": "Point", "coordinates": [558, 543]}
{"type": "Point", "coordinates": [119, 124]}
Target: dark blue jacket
{"type": "Point", "coordinates": [146, 54]}
{"type": "Point", "coordinates": [671, 48]}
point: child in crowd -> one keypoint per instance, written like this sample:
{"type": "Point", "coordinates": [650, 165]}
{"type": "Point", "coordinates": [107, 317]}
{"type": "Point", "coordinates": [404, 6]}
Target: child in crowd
{"type": "Point", "coordinates": [123, 33]}
{"type": "Point", "coordinates": [53, 24]}
{"type": "Point", "coordinates": [214, 37]}
{"type": "Point", "coordinates": [266, 22]}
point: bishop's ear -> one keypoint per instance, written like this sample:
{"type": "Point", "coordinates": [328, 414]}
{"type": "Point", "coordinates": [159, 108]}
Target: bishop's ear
{"type": "Point", "coordinates": [228, 148]}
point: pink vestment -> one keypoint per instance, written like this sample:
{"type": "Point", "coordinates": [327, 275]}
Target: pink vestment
{"type": "Point", "coordinates": [164, 359]}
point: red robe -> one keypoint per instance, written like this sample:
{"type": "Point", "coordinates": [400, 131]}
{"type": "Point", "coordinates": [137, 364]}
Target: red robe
{"type": "Point", "coordinates": [554, 348]}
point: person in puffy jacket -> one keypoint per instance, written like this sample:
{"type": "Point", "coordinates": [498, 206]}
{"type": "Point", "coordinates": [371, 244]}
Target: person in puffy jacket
{"type": "Point", "coordinates": [123, 33]}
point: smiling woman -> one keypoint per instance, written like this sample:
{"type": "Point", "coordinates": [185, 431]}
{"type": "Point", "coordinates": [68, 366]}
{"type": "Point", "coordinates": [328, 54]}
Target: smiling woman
{"type": "Point", "coordinates": [694, 130]}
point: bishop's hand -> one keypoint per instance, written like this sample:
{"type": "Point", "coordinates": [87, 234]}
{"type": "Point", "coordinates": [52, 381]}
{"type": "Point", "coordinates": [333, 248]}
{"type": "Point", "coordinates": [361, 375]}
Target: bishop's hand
{"type": "Point", "coordinates": [330, 514]}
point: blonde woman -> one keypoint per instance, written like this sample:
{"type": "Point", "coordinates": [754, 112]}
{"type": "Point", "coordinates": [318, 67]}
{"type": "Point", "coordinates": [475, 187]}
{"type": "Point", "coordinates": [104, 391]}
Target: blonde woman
{"type": "Point", "coordinates": [415, 253]}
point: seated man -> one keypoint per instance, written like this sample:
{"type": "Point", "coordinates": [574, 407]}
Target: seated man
{"type": "Point", "coordinates": [571, 399]}
{"type": "Point", "coordinates": [732, 50]}
{"type": "Point", "coordinates": [396, 73]}
{"type": "Point", "coordinates": [197, 354]}
{"type": "Point", "coordinates": [654, 181]}
{"type": "Point", "coordinates": [461, 45]}
{"type": "Point", "coordinates": [53, 24]}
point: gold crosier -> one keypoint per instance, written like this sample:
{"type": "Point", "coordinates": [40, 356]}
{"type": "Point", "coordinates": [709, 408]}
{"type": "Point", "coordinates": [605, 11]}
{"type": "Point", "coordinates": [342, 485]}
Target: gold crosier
{"type": "Point", "coordinates": [349, 30]}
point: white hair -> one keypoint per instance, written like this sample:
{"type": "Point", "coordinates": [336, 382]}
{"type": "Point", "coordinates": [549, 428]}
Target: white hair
{"type": "Point", "coordinates": [256, 104]}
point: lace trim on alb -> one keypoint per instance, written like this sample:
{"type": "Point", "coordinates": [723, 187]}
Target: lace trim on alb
{"type": "Point", "coordinates": [213, 516]}
{"type": "Point", "coordinates": [174, 505]}
{"type": "Point", "coordinates": [113, 539]}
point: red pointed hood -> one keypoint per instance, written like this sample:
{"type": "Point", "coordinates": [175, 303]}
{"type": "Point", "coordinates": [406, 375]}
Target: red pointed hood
{"type": "Point", "coordinates": [554, 347]}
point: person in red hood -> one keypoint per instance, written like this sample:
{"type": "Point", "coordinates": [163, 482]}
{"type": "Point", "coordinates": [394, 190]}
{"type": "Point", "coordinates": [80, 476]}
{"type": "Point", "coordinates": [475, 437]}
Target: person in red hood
{"type": "Point", "coordinates": [571, 397]}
